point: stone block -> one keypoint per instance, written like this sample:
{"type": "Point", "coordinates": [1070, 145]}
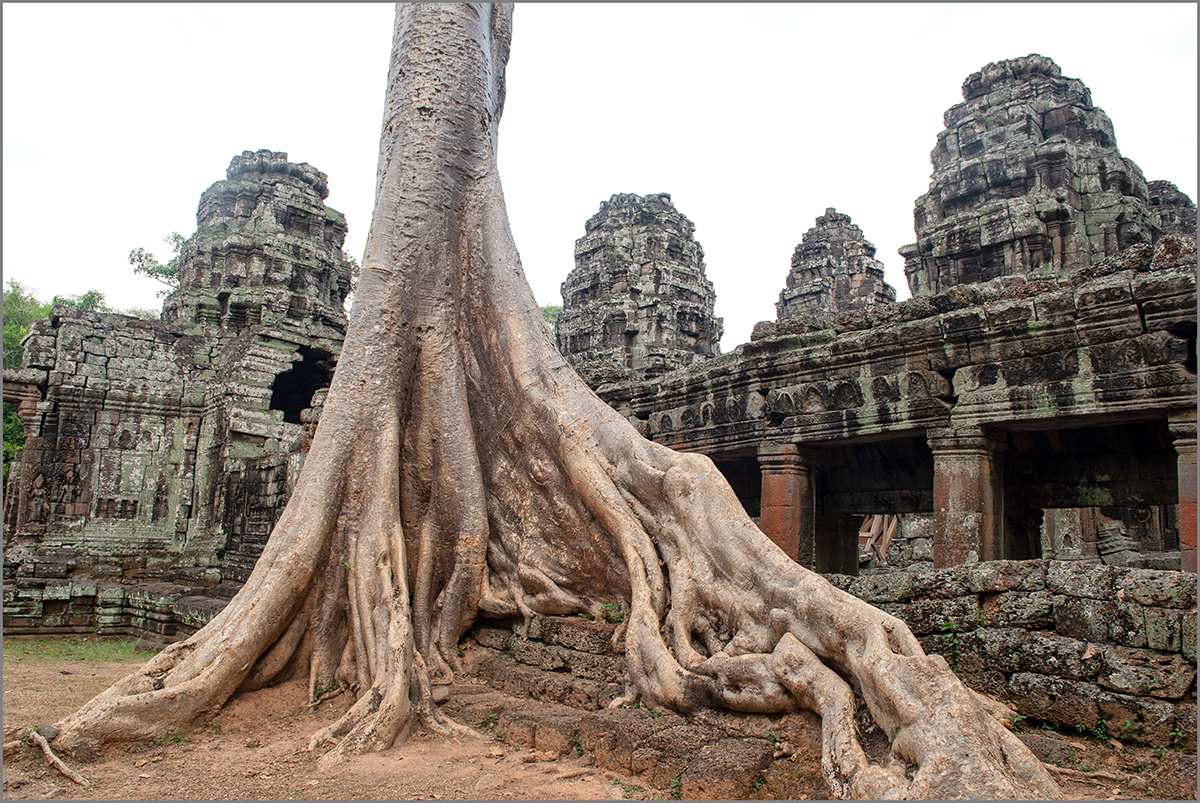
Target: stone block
{"type": "Point", "coordinates": [1090, 580]}
{"type": "Point", "coordinates": [1148, 721]}
{"type": "Point", "coordinates": [1188, 637]}
{"type": "Point", "coordinates": [1008, 575]}
{"type": "Point", "coordinates": [1095, 620]}
{"type": "Point", "coordinates": [727, 770]}
{"type": "Point", "coordinates": [953, 581]}
{"type": "Point", "coordinates": [1050, 699]}
{"type": "Point", "coordinates": [1162, 589]}
{"type": "Point", "coordinates": [878, 588]}
{"type": "Point", "coordinates": [1145, 673]}
{"type": "Point", "coordinates": [1164, 628]}
{"type": "Point", "coordinates": [1031, 610]}
{"type": "Point", "coordinates": [925, 616]}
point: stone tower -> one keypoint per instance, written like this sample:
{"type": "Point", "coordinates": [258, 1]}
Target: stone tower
{"type": "Point", "coordinates": [638, 300]}
{"type": "Point", "coordinates": [834, 270]}
{"type": "Point", "coordinates": [266, 250]}
{"type": "Point", "coordinates": [1176, 212]}
{"type": "Point", "coordinates": [163, 451]}
{"type": "Point", "coordinates": [1027, 179]}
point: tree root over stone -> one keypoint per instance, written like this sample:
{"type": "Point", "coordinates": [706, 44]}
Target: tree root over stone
{"type": "Point", "coordinates": [461, 466]}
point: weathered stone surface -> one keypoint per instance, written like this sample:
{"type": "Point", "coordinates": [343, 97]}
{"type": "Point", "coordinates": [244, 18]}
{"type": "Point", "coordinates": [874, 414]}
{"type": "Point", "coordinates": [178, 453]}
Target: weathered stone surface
{"type": "Point", "coordinates": [638, 299]}
{"type": "Point", "coordinates": [1027, 179]}
{"type": "Point", "coordinates": [1158, 588]}
{"type": "Point", "coordinates": [1054, 699]}
{"type": "Point", "coordinates": [1146, 674]}
{"type": "Point", "coordinates": [1033, 610]}
{"type": "Point", "coordinates": [1176, 211]}
{"type": "Point", "coordinates": [726, 770]}
{"type": "Point", "coordinates": [1096, 620]}
{"type": "Point", "coordinates": [1008, 575]}
{"type": "Point", "coordinates": [833, 271]}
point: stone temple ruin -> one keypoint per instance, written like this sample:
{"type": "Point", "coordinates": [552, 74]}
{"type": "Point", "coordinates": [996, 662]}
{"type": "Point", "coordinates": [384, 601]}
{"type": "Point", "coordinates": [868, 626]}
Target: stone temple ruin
{"type": "Point", "coordinates": [161, 451]}
{"type": "Point", "coordinates": [834, 270]}
{"type": "Point", "coordinates": [637, 303]}
{"type": "Point", "coordinates": [1031, 410]}
{"type": "Point", "coordinates": [1027, 180]}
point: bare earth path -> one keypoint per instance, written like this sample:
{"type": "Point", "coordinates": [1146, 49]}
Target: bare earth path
{"type": "Point", "coordinates": [256, 749]}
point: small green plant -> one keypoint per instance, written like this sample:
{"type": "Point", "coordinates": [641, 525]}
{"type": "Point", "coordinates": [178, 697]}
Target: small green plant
{"type": "Point", "coordinates": [574, 741]}
{"type": "Point", "coordinates": [612, 612]}
{"type": "Point", "coordinates": [676, 789]}
{"type": "Point", "coordinates": [1129, 730]}
{"type": "Point", "coordinates": [177, 738]}
{"type": "Point", "coordinates": [1176, 738]}
{"type": "Point", "coordinates": [762, 779]}
{"type": "Point", "coordinates": [628, 790]}
{"type": "Point", "coordinates": [1099, 731]}
{"type": "Point", "coordinates": [490, 720]}
{"type": "Point", "coordinates": [654, 712]}
{"type": "Point", "coordinates": [771, 737]}
{"type": "Point", "coordinates": [953, 645]}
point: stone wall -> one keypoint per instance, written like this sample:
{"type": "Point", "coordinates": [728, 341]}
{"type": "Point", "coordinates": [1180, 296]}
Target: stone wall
{"type": "Point", "coordinates": [637, 300]}
{"type": "Point", "coordinates": [1027, 179]}
{"type": "Point", "coordinates": [1073, 644]}
{"type": "Point", "coordinates": [834, 270]}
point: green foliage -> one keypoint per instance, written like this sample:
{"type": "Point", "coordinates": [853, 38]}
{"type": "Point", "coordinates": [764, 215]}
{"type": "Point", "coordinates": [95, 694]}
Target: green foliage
{"type": "Point", "coordinates": [676, 789]}
{"type": "Point", "coordinates": [612, 612]}
{"type": "Point", "coordinates": [14, 436]}
{"type": "Point", "coordinates": [21, 309]}
{"type": "Point", "coordinates": [144, 263]}
{"type": "Point", "coordinates": [953, 646]}
{"type": "Point", "coordinates": [92, 300]}
{"type": "Point", "coordinates": [551, 312]}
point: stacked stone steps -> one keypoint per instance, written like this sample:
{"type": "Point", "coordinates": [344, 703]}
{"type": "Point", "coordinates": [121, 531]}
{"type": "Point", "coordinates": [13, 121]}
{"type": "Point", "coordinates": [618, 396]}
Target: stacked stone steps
{"type": "Point", "coordinates": [721, 757]}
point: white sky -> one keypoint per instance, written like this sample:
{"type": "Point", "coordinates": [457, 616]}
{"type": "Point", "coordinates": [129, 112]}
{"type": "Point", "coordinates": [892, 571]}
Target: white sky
{"type": "Point", "coordinates": [754, 117]}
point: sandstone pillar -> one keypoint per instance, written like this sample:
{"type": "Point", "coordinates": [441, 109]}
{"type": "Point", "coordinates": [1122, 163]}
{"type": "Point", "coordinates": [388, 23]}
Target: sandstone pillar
{"type": "Point", "coordinates": [968, 495]}
{"type": "Point", "coordinates": [788, 512]}
{"type": "Point", "coordinates": [1183, 433]}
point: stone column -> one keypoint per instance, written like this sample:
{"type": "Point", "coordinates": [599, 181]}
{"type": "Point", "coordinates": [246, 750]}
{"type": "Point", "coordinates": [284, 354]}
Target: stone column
{"type": "Point", "coordinates": [1183, 432]}
{"type": "Point", "coordinates": [787, 513]}
{"type": "Point", "coordinates": [968, 495]}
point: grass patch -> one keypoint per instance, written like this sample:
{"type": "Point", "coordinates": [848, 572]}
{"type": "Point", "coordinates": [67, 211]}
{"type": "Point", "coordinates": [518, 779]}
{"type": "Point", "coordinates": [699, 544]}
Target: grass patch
{"type": "Point", "coordinates": [74, 648]}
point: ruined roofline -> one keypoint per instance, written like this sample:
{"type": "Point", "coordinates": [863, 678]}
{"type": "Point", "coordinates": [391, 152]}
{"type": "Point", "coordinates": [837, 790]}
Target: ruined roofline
{"type": "Point", "coordinates": [268, 161]}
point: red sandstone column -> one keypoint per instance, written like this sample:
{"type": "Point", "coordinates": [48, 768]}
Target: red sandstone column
{"type": "Point", "coordinates": [788, 512]}
{"type": "Point", "coordinates": [1183, 431]}
{"type": "Point", "coordinates": [968, 495]}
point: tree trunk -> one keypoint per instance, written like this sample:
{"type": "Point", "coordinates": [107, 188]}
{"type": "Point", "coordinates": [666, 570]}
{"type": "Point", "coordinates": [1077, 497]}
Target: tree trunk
{"type": "Point", "coordinates": [461, 466]}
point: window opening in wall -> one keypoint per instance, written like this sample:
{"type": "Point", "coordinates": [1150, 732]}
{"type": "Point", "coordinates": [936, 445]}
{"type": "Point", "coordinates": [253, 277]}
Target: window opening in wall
{"type": "Point", "coordinates": [293, 389]}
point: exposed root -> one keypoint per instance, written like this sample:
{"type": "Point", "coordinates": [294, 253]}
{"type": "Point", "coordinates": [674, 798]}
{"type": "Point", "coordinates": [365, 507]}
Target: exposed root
{"type": "Point", "coordinates": [54, 760]}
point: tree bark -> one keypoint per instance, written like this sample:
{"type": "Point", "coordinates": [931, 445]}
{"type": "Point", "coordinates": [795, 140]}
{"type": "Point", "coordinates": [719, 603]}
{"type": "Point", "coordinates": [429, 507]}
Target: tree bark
{"type": "Point", "coordinates": [460, 466]}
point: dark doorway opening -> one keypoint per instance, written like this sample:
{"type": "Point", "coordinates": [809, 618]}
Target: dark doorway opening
{"type": "Point", "coordinates": [293, 389]}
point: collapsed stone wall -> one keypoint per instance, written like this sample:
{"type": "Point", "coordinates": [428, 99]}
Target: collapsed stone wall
{"type": "Point", "coordinates": [1027, 179]}
{"type": "Point", "coordinates": [834, 270]}
{"type": "Point", "coordinates": [637, 302]}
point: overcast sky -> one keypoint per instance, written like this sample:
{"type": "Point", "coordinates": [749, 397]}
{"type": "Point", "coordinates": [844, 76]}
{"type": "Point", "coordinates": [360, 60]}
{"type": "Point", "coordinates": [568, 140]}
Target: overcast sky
{"type": "Point", "coordinates": [754, 117]}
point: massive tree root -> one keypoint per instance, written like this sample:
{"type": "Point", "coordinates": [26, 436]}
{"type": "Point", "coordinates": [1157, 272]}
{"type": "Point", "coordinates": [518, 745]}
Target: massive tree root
{"type": "Point", "coordinates": [461, 466]}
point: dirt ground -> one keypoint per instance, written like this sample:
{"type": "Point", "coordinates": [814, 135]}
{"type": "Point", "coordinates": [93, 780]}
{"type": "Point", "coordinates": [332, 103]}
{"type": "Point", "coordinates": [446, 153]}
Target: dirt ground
{"type": "Point", "coordinates": [257, 749]}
